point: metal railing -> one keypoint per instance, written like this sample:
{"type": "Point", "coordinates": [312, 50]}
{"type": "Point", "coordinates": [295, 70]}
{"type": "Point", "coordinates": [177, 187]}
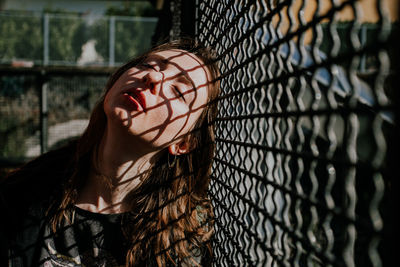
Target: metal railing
{"type": "Point", "coordinates": [63, 39]}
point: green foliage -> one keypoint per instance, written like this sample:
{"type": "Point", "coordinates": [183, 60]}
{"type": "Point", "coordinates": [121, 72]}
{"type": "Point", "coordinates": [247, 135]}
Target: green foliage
{"type": "Point", "coordinates": [139, 9]}
{"type": "Point", "coordinates": [66, 38]}
{"type": "Point", "coordinates": [99, 31]}
{"type": "Point", "coordinates": [51, 10]}
{"type": "Point", "coordinates": [19, 115]}
{"type": "Point", "coordinates": [132, 38]}
{"type": "Point", "coordinates": [21, 37]}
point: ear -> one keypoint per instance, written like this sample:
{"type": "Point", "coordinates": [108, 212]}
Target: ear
{"type": "Point", "coordinates": [182, 147]}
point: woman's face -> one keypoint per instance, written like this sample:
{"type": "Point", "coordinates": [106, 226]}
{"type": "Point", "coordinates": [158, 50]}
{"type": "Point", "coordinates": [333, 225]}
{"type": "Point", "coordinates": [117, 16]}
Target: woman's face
{"type": "Point", "coordinates": [158, 101]}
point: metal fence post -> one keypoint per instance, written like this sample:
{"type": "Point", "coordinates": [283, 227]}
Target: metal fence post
{"type": "Point", "coordinates": [42, 84]}
{"type": "Point", "coordinates": [46, 39]}
{"type": "Point", "coordinates": [111, 51]}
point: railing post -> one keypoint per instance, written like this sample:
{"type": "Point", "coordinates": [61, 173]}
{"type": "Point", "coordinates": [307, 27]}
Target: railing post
{"type": "Point", "coordinates": [46, 39]}
{"type": "Point", "coordinates": [111, 51]}
{"type": "Point", "coordinates": [43, 85]}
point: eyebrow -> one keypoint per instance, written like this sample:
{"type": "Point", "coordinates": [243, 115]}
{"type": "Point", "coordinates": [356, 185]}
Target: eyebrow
{"type": "Point", "coordinates": [183, 75]}
{"type": "Point", "coordinates": [184, 78]}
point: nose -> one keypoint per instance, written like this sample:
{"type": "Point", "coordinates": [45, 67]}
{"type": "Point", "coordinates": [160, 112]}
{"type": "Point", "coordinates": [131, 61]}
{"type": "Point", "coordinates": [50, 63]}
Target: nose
{"type": "Point", "coordinates": [153, 81]}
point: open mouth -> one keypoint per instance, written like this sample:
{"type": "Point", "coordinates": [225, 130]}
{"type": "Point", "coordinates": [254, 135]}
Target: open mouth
{"type": "Point", "coordinates": [136, 98]}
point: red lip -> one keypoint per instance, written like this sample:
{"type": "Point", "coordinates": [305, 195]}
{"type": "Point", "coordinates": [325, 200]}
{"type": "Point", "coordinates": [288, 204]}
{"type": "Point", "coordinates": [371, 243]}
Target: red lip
{"type": "Point", "coordinates": [136, 97]}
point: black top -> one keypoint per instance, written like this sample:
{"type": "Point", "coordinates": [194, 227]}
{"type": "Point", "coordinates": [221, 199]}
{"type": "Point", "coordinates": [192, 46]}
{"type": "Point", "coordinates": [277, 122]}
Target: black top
{"type": "Point", "coordinates": [92, 239]}
{"type": "Point", "coordinates": [26, 238]}
{"type": "Point", "coordinates": [24, 198]}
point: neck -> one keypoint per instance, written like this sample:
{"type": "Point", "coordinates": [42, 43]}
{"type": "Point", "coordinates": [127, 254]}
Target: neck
{"type": "Point", "coordinates": [118, 169]}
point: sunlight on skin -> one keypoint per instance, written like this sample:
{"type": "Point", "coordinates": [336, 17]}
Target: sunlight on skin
{"type": "Point", "coordinates": [151, 107]}
{"type": "Point", "coordinates": [169, 105]}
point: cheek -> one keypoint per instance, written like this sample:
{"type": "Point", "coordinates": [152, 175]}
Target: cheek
{"type": "Point", "coordinates": [183, 123]}
{"type": "Point", "coordinates": [113, 109]}
{"type": "Point", "coordinates": [106, 103]}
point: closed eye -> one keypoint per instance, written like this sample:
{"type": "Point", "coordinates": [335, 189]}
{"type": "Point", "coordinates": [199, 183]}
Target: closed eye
{"type": "Point", "coordinates": [179, 93]}
{"type": "Point", "coordinates": [147, 65]}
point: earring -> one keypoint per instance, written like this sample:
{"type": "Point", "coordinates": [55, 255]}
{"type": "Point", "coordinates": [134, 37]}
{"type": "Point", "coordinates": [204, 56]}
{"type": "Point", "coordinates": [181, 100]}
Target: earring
{"type": "Point", "coordinates": [171, 164]}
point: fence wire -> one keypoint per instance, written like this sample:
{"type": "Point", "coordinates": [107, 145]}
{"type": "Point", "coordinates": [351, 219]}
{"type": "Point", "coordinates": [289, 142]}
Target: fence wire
{"type": "Point", "coordinates": [302, 133]}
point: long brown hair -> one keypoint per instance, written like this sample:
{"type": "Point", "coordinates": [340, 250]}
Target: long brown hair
{"type": "Point", "coordinates": [171, 216]}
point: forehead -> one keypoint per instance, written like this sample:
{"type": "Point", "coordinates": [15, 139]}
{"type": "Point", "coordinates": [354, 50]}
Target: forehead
{"type": "Point", "coordinates": [185, 62]}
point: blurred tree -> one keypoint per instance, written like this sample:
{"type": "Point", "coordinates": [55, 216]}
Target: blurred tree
{"type": "Point", "coordinates": [99, 31]}
{"type": "Point", "coordinates": [21, 37]}
{"type": "Point", "coordinates": [138, 9]}
{"type": "Point", "coordinates": [67, 34]}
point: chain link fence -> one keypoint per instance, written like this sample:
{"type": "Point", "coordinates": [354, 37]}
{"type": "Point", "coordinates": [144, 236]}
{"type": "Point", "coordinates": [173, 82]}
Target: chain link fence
{"type": "Point", "coordinates": [306, 113]}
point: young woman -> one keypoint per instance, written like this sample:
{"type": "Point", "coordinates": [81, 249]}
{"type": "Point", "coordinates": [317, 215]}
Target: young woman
{"type": "Point", "coordinates": [132, 191]}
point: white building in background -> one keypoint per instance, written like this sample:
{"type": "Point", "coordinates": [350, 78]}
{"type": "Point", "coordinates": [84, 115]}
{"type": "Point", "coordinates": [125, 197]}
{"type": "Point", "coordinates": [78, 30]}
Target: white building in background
{"type": "Point", "coordinates": [89, 54]}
